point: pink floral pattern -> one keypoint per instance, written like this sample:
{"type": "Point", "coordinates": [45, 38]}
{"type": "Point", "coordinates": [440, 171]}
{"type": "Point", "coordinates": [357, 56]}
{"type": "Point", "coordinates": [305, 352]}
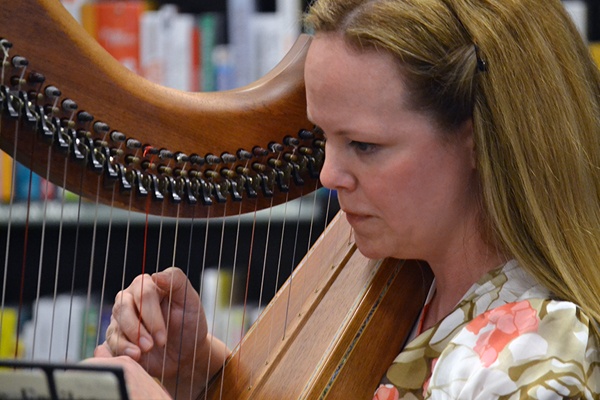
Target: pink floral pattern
{"type": "Point", "coordinates": [505, 323]}
{"type": "Point", "coordinates": [386, 392]}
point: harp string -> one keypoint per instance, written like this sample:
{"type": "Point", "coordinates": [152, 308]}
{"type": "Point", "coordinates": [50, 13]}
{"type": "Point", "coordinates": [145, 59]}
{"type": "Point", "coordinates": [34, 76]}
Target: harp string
{"type": "Point", "coordinates": [246, 292]}
{"type": "Point", "coordinates": [233, 277]}
{"type": "Point", "coordinates": [88, 302]}
{"type": "Point", "coordinates": [265, 258]}
{"type": "Point", "coordinates": [156, 269]}
{"type": "Point", "coordinates": [170, 298]}
{"type": "Point", "coordinates": [144, 257]}
{"type": "Point", "coordinates": [125, 253]}
{"type": "Point", "coordinates": [233, 271]}
{"type": "Point", "coordinates": [182, 330]}
{"type": "Point", "coordinates": [105, 270]}
{"type": "Point", "coordinates": [247, 285]}
{"type": "Point", "coordinates": [201, 290]}
{"type": "Point", "coordinates": [41, 254]}
{"type": "Point", "coordinates": [216, 299]}
{"type": "Point", "coordinates": [56, 274]}
{"type": "Point", "coordinates": [310, 231]}
{"type": "Point", "coordinates": [277, 271]}
{"type": "Point", "coordinates": [7, 247]}
{"type": "Point", "coordinates": [25, 243]}
{"type": "Point", "coordinates": [291, 275]}
{"type": "Point", "coordinates": [10, 220]}
{"type": "Point", "coordinates": [75, 260]}
{"type": "Point", "coordinates": [145, 247]}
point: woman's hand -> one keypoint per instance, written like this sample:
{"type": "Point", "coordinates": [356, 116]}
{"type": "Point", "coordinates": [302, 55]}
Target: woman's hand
{"type": "Point", "coordinates": [159, 322]}
{"type": "Point", "coordinates": [140, 385]}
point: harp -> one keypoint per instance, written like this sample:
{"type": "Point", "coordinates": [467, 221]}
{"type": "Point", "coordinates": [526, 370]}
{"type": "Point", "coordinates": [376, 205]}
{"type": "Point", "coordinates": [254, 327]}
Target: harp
{"type": "Point", "coordinates": [76, 116]}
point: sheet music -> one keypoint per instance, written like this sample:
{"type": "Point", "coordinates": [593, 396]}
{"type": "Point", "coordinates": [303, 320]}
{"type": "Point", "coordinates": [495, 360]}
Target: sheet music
{"type": "Point", "coordinates": [40, 381]}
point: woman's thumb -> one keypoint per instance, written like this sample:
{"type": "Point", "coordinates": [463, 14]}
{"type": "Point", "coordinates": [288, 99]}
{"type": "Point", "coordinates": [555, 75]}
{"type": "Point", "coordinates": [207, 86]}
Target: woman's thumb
{"type": "Point", "coordinates": [173, 282]}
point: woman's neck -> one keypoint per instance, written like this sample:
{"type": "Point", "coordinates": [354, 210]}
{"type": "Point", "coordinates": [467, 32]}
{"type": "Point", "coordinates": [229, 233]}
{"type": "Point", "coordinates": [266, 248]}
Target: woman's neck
{"type": "Point", "coordinates": [453, 280]}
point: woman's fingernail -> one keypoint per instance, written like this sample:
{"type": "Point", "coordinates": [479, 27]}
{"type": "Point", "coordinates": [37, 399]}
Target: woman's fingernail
{"type": "Point", "coordinates": [145, 343]}
{"type": "Point", "coordinates": [161, 337]}
{"type": "Point", "coordinates": [132, 352]}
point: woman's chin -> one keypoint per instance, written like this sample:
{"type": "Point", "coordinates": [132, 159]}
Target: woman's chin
{"type": "Point", "coordinates": [370, 250]}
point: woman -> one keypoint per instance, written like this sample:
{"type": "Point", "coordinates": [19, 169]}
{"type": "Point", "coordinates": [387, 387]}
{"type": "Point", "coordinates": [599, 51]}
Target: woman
{"type": "Point", "coordinates": [464, 133]}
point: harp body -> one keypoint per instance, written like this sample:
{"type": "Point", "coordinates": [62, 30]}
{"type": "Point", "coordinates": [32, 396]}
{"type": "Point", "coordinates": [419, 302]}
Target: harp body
{"type": "Point", "coordinates": [329, 330]}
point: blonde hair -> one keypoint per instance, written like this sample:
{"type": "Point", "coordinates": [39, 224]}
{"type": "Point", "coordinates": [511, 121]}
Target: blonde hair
{"type": "Point", "coordinates": [520, 70]}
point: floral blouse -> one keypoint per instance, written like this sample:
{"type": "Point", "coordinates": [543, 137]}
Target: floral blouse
{"type": "Point", "coordinates": [506, 339]}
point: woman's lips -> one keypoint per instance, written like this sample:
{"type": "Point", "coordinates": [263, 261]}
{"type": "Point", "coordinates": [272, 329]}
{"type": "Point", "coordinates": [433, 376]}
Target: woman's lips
{"type": "Point", "coordinates": [355, 218]}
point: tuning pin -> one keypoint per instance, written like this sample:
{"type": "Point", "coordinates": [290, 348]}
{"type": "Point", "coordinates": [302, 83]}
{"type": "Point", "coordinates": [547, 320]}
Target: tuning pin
{"type": "Point", "coordinates": [165, 154]}
{"type": "Point", "coordinates": [69, 105]}
{"type": "Point", "coordinates": [305, 134]}
{"type": "Point", "coordinates": [19, 62]}
{"type": "Point", "coordinates": [259, 151]}
{"type": "Point", "coordinates": [36, 77]}
{"type": "Point", "coordinates": [181, 157]}
{"type": "Point", "coordinates": [244, 154]}
{"type": "Point", "coordinates": [117, 136]}
{"type": "Point", "coordinates": [291, 141]}
{"type": "Point", "coordinates": [5, 44]}
{"type": "Point", "coordinates": [275, 147]}
{"type": "Point", "coordinates": [101, 128]}
{"type": "Point", "coordinates": [196, 159]}
{"type": "Point", "coordinates": [133, 144]}
{"type": "Point", "coordinates": [84, 117]}
{"type": "Point", "coordinates": [150, 150]}
{"type": "Point", "coordinates": [228, 158]}
{"type": "Point", "coordinates": [211, 159]}
{"type": "Point", "coordinates": [52, 92]}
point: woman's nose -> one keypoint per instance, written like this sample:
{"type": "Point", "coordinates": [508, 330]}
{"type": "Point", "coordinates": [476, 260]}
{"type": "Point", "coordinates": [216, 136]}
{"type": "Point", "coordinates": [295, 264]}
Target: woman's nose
{"type": "Point", "coordinates": [334, 175]}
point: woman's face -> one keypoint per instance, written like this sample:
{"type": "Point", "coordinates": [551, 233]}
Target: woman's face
{"type": "Point", "coordinates": [407, 187]}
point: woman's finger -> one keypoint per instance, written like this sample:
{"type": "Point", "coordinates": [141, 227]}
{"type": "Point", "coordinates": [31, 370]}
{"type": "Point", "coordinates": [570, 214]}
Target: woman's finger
{"type": "Point", "coordinates": [175, 285]}
{"type": "Point", "coordinates": [103, 351]}
{"type": "Point", "coordinates": [117, 344]}
{"type": "Point", "coordinates": [125, 318]}
{"type": "Point", "coordinates": [148, 298]}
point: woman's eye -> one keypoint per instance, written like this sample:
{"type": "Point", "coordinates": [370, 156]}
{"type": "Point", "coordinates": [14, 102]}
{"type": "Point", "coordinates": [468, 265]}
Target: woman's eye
{"type": "Point", "coordinates": [363, 147]}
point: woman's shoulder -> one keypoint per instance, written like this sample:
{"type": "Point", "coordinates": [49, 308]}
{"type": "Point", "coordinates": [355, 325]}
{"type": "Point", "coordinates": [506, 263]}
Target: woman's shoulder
{"type": "Point", "coordinates": [558, 327]}
{"type": "Point", "coordinates": [523, 348]}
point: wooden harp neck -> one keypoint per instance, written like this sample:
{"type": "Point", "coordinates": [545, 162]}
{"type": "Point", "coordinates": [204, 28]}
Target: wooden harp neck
{"type": "Point", "coordinates": [145, 141]}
